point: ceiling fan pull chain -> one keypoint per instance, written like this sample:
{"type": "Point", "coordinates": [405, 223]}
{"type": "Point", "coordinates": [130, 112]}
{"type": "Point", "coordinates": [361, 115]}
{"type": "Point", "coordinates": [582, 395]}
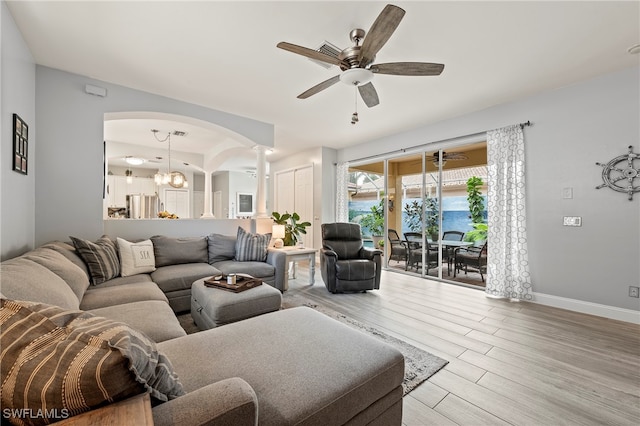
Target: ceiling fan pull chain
{"type": "Point", "coordinates": [354, 116]}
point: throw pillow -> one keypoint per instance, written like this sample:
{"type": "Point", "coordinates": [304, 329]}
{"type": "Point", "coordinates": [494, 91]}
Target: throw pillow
{"type": "Point", "coordinates": [175, 251]}
{"type": "Point", "coordinates": [221, 247]}
{"type": "Point", "coordinates": [251, 247]}
{"type": "Point", "coordinates": [101, 258]}
{"type": "Point", "coordinates": [136, 258]}
{"type": "Point", "coordinates": [63, 363]}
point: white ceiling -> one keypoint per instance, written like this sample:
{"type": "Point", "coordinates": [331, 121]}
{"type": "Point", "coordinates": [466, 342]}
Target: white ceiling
{"type": "Point", "coordinates": [223, 55]}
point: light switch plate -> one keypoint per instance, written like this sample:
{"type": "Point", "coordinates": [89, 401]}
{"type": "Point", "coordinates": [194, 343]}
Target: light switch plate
{"type": "Point", "coordinates": [572, 221]}
{"type": "Point", "coordinates": [567, 193]}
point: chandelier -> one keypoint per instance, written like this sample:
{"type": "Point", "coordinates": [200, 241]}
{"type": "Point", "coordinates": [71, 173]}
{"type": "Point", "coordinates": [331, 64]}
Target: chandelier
{"type": "Point", "coordinates": [173, 178]}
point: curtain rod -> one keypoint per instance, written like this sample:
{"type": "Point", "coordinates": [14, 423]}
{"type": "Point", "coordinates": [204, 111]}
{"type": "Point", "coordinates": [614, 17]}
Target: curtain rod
{"type": "Point", "coordinates": [402, 150]}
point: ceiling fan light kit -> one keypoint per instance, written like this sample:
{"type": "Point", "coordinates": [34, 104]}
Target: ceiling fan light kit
{"type": "Point", "coordinates": [356, 62]}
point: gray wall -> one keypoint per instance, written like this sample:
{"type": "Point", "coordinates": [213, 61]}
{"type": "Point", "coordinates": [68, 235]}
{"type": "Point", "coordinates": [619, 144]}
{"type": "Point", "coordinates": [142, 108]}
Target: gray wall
{"type": "Point", "coordinates": [71, 123]}
{"type": "Point", "coordinates": [17, 191]}
{"type": "Point", "coordinates": [573, 127]}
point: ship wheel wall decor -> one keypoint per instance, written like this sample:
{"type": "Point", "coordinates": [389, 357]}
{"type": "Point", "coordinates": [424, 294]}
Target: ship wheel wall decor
{"type": "Point", "coordinates": [621, 174]}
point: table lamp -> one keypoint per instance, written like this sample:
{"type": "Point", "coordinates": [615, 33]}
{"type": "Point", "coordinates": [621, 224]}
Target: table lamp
{"type": "Point", "coordinates": [277, 232]}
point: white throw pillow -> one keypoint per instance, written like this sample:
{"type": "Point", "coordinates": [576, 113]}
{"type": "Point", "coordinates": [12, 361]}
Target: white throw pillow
{"type": "Point", "coordinates": [136, 258]}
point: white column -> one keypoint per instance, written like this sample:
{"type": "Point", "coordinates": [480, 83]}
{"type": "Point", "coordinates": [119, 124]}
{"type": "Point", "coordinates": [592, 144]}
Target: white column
{"type": "Point", "coordinates": [261, 177]}
{"type": "Point", "coordinates": [208, 205]}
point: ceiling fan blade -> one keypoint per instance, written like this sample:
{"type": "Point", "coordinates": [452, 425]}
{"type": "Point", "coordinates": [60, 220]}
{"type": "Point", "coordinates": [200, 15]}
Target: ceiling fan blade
{"type": "Point", "coordinates": [408, 68]}
{"type": "Point", "coordinates": [369, 94]}
{"type": "Point", "coordinates": [383, 27]}
{"type": "Point", "coordinates": [309, 53]}
{"type": "Point", "coordinates": [319, 87]}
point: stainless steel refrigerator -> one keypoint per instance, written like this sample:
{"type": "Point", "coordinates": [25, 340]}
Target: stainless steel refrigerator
{"type": "Point", "coordinates": [140, 206]}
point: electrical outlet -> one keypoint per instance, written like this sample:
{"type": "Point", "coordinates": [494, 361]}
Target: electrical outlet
{"type": "Point", "coordinates": [572, 221]}
{"type": "Point", "coordinates": [634, 291]}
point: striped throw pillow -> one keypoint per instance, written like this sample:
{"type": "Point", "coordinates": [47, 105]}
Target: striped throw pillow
{"type": "Point", "coordinates": [63, 363]}
{"type": "Point", "coordinates": [101, 258]}
{"type": "Point", "coordinates": [251, 247]}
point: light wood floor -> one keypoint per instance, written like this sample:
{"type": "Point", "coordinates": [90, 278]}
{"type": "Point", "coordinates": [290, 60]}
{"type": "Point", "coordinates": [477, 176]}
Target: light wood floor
{"type": "Point", "coordinates": [509, 363]}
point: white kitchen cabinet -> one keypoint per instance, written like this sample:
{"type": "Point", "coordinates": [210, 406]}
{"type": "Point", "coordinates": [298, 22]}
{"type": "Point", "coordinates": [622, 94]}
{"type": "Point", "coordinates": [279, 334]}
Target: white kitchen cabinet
{"type": "Point", "coordinates": [119, 189]}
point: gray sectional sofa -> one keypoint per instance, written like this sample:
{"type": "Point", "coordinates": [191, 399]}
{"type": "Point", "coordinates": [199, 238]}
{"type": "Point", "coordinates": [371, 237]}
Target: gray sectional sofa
{"type": "Point", "coordinates": [294, 366]}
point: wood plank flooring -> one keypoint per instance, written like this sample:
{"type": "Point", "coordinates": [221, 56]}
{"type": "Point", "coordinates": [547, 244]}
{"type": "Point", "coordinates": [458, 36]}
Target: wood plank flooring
{"type": "Point", "coordinates": [509, 363]}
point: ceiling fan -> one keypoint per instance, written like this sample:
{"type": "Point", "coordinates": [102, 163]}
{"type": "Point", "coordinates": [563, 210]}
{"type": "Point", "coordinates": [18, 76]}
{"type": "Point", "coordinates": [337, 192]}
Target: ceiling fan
{"type": "Point", "coordinates": [356, 62]}
{"type": "Point", "coordinates": [446, 156]}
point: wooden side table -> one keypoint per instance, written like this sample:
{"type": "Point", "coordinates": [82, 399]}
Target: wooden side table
{"type": "Point", "coordinates": [295, 254]}
{"type": "Point", "coordinates": [134, 411]}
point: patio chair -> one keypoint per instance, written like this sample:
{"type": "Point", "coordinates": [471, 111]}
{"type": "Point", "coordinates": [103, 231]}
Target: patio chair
{"type": "Point", "coordinates": [398, 248]}
{"type": "Point", "coordinates": [471, 257]}
{"type": "Point", "coordinates": [448, 251]}
{"type": "Point", "coordinates": [414, 258]}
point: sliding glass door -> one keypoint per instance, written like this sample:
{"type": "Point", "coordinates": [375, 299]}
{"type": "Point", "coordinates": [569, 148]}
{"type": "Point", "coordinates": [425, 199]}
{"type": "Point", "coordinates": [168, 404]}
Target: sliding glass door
{"type": "Point", "coordinates": [420, 208]}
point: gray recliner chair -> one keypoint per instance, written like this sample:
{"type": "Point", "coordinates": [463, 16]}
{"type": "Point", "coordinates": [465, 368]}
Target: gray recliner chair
{"type": "Point", "coordinates": [345, 264]}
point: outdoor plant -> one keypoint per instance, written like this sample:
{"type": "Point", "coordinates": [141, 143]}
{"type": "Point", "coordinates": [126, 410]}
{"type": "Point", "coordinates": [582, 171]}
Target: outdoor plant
{"type": "Point", "coordinates": [478, 233]}
{"type": "Point", "coordinates": [374, 221]}
{"type": "Point", "coordinates": [413, 212]}
{"type": "Point", "coordinates": [432, 217]}
{"type": "Point", "coordinates": [292, 229]}
{"type": "Point", "coordinates": [474, 197]}
{"type": "Point", "coordinates": [476, 208]}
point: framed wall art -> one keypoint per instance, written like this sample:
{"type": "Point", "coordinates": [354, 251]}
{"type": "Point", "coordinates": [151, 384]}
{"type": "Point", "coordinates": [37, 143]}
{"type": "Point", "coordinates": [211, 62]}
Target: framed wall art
{"type": "Point", "coordinates": [20, 145]}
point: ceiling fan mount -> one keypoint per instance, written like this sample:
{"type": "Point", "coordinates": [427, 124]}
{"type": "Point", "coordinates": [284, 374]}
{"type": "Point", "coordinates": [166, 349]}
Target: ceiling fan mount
{"type": "Point", "coordinates": [356, 62]}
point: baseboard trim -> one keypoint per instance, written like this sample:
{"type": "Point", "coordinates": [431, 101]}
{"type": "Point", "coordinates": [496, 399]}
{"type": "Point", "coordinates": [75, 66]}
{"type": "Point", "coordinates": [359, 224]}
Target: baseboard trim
{"type": "Point", "coordinates": [612, 312]}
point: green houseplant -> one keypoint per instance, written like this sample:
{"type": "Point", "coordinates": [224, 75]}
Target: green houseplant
{"type": "Point", "coordinates": [292, 226]}
{"type": "Point", "coordinates": [476, 208]}
{"type": "Point", "coordinates": [374, 222]}
{"type": "Point", "coordinates": [414, 211]}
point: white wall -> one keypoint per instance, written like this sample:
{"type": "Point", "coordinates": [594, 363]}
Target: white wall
{"type": "Point", "coordinates": [573, 128]}
{"type": "Point", "coordinates": [17, 191]}
{"type": "Point", "coordinates": [71, 123]}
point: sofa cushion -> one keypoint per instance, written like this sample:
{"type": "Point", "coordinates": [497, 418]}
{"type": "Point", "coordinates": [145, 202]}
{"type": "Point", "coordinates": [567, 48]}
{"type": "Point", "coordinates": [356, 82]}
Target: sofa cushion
{"type": "Point", "coordinates": [68, 251]}
{"type": "Point", "coordinates": [221, 247]}
{"type": "Point", "coordinates": [133, 279]}
{"type": "Point", "coordinates": [174, 251]}
{"type": "Point", "coordinates": [255, 269]}
{"type": "Point", "coordinates": [100, 296]}
{"type": "Point", "coordinates": [251, 247]}
{"type": "Point", "coordinates": [351, 370]}
{"type": "Point", "coordinates": [152, 317]}
{"type": "Point", "coordinates": [54, 261]}
{"type": "Point", "coordinates": [355, 269]}
{"type": "Point", "coordinates": [101, 258]}
{"type": "Point", "coordinates": [180, 277]}
{"type": "Point", "coordinates": [136, 258]}
{"type": "Point", "coordinates": [72, 361]}
{"type": "Point", "coordinates": [24, 279]}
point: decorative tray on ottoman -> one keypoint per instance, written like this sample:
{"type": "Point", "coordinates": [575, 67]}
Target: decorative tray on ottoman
{"type": "Point", "coordinates": [243, 282]}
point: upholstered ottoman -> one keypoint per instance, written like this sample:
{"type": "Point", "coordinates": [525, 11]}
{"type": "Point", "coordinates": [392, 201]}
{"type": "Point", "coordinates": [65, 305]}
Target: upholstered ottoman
{"type": "Point", "coordinates": [212, 307]}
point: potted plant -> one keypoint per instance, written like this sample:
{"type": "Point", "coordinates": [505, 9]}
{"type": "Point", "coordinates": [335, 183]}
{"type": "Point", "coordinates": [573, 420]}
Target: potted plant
{"type": "Point", "coordinates": [414, 211]}
{"type": "Point", "coordinates": [374, 222]}
{"type": "Point", "coordinates": [293, 228]}
{"type": "Point", "coordinates": [432, 218]}
{"type": "Point", "coordinates": [476, 209]}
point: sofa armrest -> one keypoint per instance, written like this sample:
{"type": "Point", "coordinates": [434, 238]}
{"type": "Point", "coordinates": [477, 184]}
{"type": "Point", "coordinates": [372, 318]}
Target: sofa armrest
{"type": "Point", "coordinates": [374, 255]}
{"type": "Point", "coordinates": [278, 260]}
{"type": "Point", "coordinates": [227, 402]}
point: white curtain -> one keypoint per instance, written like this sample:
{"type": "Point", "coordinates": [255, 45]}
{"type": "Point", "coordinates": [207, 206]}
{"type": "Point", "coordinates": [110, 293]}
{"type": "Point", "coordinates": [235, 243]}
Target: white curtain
{"type": "Point", "coordinates": [342, 192]}
{"type": "Point", "coordinates": [507, 259]}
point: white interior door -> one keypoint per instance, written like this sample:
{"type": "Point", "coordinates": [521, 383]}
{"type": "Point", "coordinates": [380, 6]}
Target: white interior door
{"type": "Point", "coordinates": [177, 201]}
{"type": "Point", "coordinates": [303, 200]}
{"type": "Point", "coordinates": [284, 192]}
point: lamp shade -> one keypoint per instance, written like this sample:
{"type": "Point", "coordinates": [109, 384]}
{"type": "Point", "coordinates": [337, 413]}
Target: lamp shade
{"type": "Point", "coordinates": [278, 233]}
